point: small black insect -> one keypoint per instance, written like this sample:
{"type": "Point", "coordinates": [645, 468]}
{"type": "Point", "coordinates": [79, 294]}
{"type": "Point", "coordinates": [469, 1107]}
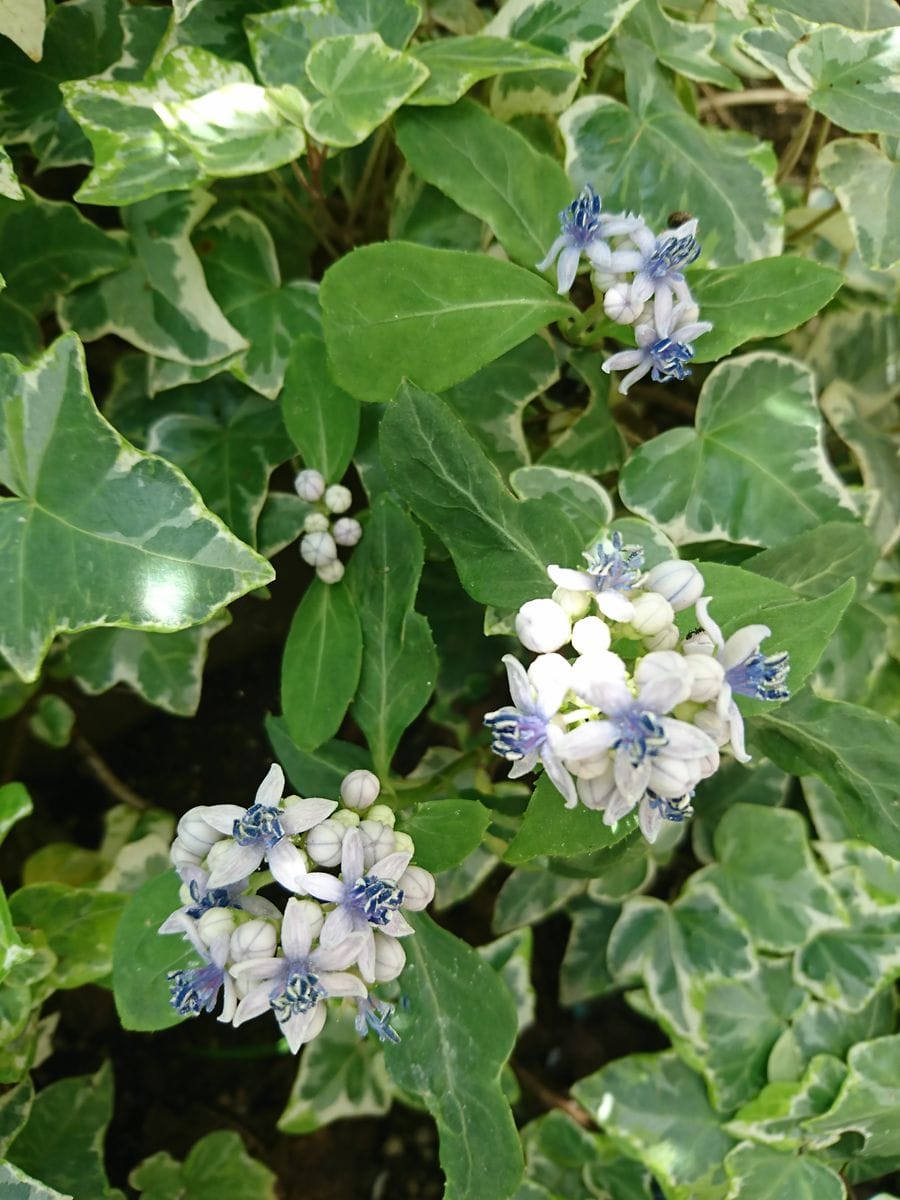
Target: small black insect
{"type": "Point", "coordinates": [677, 218]}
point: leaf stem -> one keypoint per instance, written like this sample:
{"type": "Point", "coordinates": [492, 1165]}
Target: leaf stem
{"type": "Point", "coordinates": [821, 136]}
{"type": "Point", "coordinates": [550, 1098]}
{"type": "Point", "coordinates": [795, 146]}
{"type": "Point", "coordinates": [106, 777]}
{"type": "Point", "coordinates": [796, 234]}
{"type": "Point", "coordinates": [766, 95]}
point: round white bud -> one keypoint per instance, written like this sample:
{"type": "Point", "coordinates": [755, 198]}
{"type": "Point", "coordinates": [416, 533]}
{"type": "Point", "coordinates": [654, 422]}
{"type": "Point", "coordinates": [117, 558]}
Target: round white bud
{"type": "Point", "coordinates": [590, 635]}
{"type": "Point", "coordinates": [604, 280]}
{"type": "Point", "coordinates": [574, 604]}
{"type": "Point", "coordinates": [672, 777]}
{"type": "Point", "coordinates": [180, 856]}
{"type": "Point", "coordinates": [377, 840]}
{"type": "Point", "coordinates": [346, 817]}
{"type": "Point", "coordinates": [664, 666]}
{"type": "Point", "coordinates": [709, 764]}
{"type": "Point", "coordinates": [216, 852]}
{"type": "Point", "coordinates": [619, 305]}
{"type": "Point", "coordinates": [592, 768]}
{"type": "Point", "coordinates": [698, 643]}
{"type": "Point", "coordinates": [316, 522]}
{"type": "Point", "coordinates": [543, 626]}
{"type": "Point", "coordinates": [384, 814]}
{"type": "Point", "coordinates": [323, 843]}
{"type": "Point", "coordinates": [666, 639]}
{"type": "Point", "coordinates": [253, 939]}
{"type": "Point", "coordinates": [403, 843]}
{"type": "Point", "coordinates": [214, 924]}
{"type": "Point", "coordinates": [418, 888]}
{"type": "Point", "coordinates": [196, 834]}
{"type": "Point", "coordinates": [707, 676]}
{"type": "Point", "coordinates": [679, 581]}
{"type": "Point", "coordinates": [390, 958]}
{"type": "Point", "coordinates": [338, 498]}
{"type": "Point", "coordinates": [709, 722]}
{"type": "Point", "coordinates": [331, 572]}
{"type": "Point", "coordinates": [312, 916]}
{"type": "Point", "coordinates": [318, 549]}
{"type": "Point", "coordinates": [359, 790]}
{"type": "Point", "coordinates": [346, 531]}
{"type": "Point", "coordinates": [651, 613]}
{"type": "Point", "coordinates": [309, 485]}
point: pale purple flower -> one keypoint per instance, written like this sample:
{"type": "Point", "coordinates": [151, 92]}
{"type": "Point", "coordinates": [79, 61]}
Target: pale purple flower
{"type": "Point", "coordinates": [375, 1014]}
{"type": "Point", "coordinates": [582, 233]}
{"type": "Point", "coordinates": [612, 570]}
{"type": "Point", "coordinates": [657, 262]}
{"type": "Point", "coordinates": [264, 831]}
{"type": "Point", "coordinates": [196, 989]}
{"type": "Point", "coordinates": [203, 898]}
{"type": "Point", "coordinates": [664, 345]}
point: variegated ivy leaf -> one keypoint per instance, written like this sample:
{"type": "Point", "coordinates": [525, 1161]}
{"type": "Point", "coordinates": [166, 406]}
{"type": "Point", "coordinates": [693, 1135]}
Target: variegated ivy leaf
{"type": "Point", "coordinates": [873, 14]}
{"type": "Point", "coordinates": [773, 1117]}
{"type": "Point", "coordinates": [851, 76]}
{"type": "Point", "coordinates": [510, 956]}
{"type": "Point", "coordinates": [762, 784]}
{"type": "Point", "coordinates": [9, 184]}
{"type": "Point", "coordinates": [216, 1164]}
{"type": "Point", "coordinates": [652, 155]}
{"type": "Point", "coordinates": [771, 45]}
{"type": "Point", "coordinates": [584, 973]}
{"type": "Point", "coordinates": [682, 45]}
{"type": "Point", "coordinates": [135, 549]}
{"type": "Point", "coordinates": [754, 469]}
{"type": "Point", "coordinates": [23, 22]}
{"type": "Point", "coordinates": [529, 895]}
{"type": "Point", "coordinates": [586, 503]}
{"type": "Point", "coordinates": [456, 64]}
{"type": "Point", "coordinates": [867, 183]}
{"type": "Point", "coordinates": [762, 1173]}
{"type": "Point", "coordinates": [861, 347]}
{"type": "Point", "coordinates": [868, 1102]}
{"type": "Point", "coordinates": [573, 28]}
{"type": "Point", "coordinates": [160, 301]}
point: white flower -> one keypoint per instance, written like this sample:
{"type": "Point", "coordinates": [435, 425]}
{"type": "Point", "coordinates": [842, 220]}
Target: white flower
{"type": "Point", "coordinates": [543, 626]}
{"type": "Point", "coordinates": [620, 305]}
{"type": "Point", "coordinates": [590, 635]}
{"type": "Point", "coordinates": [665, 346]}
{"type": "Point", "coordinates": [651, 614]}
{"type": "Point", "coordinates": [309, 485]}
{"type": "Point", "coordinates": [613, 569]}
{"type": "Point", "coordinates": [678, 580]}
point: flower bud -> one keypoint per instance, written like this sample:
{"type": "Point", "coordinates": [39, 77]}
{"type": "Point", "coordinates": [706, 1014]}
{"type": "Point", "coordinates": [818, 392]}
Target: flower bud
{"type": "Point", "coordinates": [709, 722]}
{"type": "Point", "coordinates": [312, 916]}
{"type": "Point", "coordinates": [309, 485]}
{"type": "Point", "coordinates": [384, 814]}
{"type": "Point", "coordinates": [698, 643]}
{"type": "Point", "coordinates": [589, 669]}
{"type": "Point", "coordinates": [418, 888]}
{"type": "Point", "coordinates": [706, 675]}
{"type": "Point", "coordinates": [180, 856]}
{"type": "Point", "coordinates": [619, 305]}
{"type": "Point", "coordinates": [346, 531]}
{"type": "Point", "coordinates": [253, 939]}
{"type": "Point", "coordinates": [679, 581]}
{"type": "Point", "coordinates": [316, 522]}
{"type": "Point", "coordinates": [592, 768]}
{"type": "Point", "coordinates": [196, 834]}
{"type": "Point", "coordinates": [403, 843]}
{"type": "Point", "coordinates": [323, 843]}
{"type": "Point", "coordinates": [346, 817]}
{"type": "Point", "coordinates": [651, 614]}
{"type": "Point", "coordinates": [359, 790]}
{"type": "Point", "coordinates": [709, 764]}
{"type": "Point", "coordinates": [377, 840]}
{"type": "Point", "coordinates": [665, 666]}
{"type": "Point", "coordinates": [338, 498]}
{"type": "Point", "coordinates": [666, 639]}
{"type": "Point", "coordinates": [216, 852]}
{"type": "Point", "coordinates": [590, 635]}
{"type": "Point", "coordinates": [318, 549]}
{"type": "Point", "coordinates": [574, 604]}
{"type": "Point", "coordinates": [331, 572]}
{"type": "Point", "coordinates": [604, 280]}
{"type": "Point", "coordinates": [672, 777]}
{"type": "Point", "coordinates": [215, 923]}
{"type": "Point", "coordinates": [543, 626]}
{"type": "Point", "coordinates": [390, 958]}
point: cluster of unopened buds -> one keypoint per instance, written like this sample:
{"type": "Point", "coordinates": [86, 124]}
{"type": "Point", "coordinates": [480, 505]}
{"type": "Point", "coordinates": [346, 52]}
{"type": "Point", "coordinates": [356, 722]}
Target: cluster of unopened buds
{"type": "Point", "coordinates": [321, 536]}
{"type": "Point", "coordinates": [619, 735]}
{"type": "Point", "coordinates": [633, 266]}
{"type": "Point", "coordinates": [348, 877]}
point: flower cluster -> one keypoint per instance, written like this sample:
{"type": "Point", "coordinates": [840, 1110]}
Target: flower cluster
{"type": "Point", "coordinates": [321, 538]}
{"type": "Point", "coordinates": [633, 266]}
{"type": "Point", "coordinates": [338, 934]}
{"type": "Point", "coordinates": [622, 735]}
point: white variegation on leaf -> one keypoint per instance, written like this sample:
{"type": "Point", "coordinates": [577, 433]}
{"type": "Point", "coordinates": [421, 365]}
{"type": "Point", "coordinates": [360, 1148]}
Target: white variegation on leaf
{"type": "Point", "coordinates": [9, 184]}
{"type": "Point", "coordinates": [867, 183]}
{"type": "Point", "coordinates": [851, 76]}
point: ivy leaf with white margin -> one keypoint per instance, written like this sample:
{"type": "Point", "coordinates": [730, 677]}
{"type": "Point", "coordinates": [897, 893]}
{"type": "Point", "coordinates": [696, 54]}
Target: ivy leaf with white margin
{"type": "Point", "coordinates": [754, 469]}
{"type": "Point", "coordinates": [137, 549]}
{"type": "Point", "coordinates": [868, 1101]}
{"type": "Point", "coordinates": [687, 48]}
{"type": "Point", "coordinates": [860, 346]}
{"type": "Point", "coordinates": [573, 28]}
{"type": "Point", "coordinates": [532, 893]}
{"type": "Point", "coordinates": [867, 183]}
{"type": "Point", "coordinates": [585, 502]}
{"type": "Point", "coordinates": [851, 76]}
{"type": "Point", "coordinates": [362, 81]}
{"type": "Point", "coordinates": [510, 956]}
{"type": "Point", "coordinates": [762, 1173]}
{"type": "Point", "coordinates": [652, 155]}
{"type": "Point", "coordinates": [19, 1186]}
{"type": "Point", "coordinates": [456, 1034]}
{"type": "Point", "coordinates": [456, 64]}
{"type": "Point", "coordinates": [9, 184]}
{"type": "Point", "coordinates": [165, 669]}
{"type": "Point", "coordinates": [160, 301]}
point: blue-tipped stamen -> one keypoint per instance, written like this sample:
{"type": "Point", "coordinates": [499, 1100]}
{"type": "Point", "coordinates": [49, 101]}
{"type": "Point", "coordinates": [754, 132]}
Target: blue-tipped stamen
{"type": "Point", "coordinates": [639, 733]}
{"type": "Point", "coordinates": [672, 810]}
{"type": "Point", "coordinates": [301, 992]}
{"type": "Point", "coordinates": [260, 823]}
{"type": "Point", "coordinates": [762, 677]}
{"type": "Point", "coordinates": [375, 899]}
{"type": "Point", "coordinates": [615, 567]}
{"type": "Point", "coordinates": [670, 255]}
{"type": "Point", "coordinates": [669, 358]}
{"type": "Point", "coordinates": [580, 221]}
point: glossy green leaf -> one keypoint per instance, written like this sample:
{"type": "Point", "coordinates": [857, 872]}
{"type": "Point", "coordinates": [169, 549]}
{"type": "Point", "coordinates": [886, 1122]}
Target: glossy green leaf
{"type": "Point", "coordinates": [280, 522]}
{"type": "Point", "coordinates": [433, 316]}
{"type": "Point", "coordinates": [585, 502]}
{"type": "Point", "coordinates": [532, 893]}
{"type": "Point", "coordinates": [9, 184]}
{"type": "Point", "coordinates": [490, 170]}
{"type": "Point", "coordinates": [867, 183]}
{"type": "Point", "coordinates": [70, 1115]}
{"type": "Point", "coordinates": [510, 957]}
{"type": "Point", "coordinates": [816, 562]}
{"type": "Point", "coordinates": [321, 418]}
{"type": "Point", "coordinates": [15, 803]}
{"type": "Point", "coordinates": [52, 721]}
{"type": "Point", "coordinates": [773, 1117]}
{"type": "Point", "coordinates": [321, 663]}
{"type": "Point", "coordinates": [157, 558]}
{"type": "Point", "coordinates": [584, 974]}
{"type": "Point", "coordinates": [318, 772]}
{"type": "Point", "coordinates": [759, 299]}
{"type": "Point", "coordinates": [399, 662]}
{"type": "Point", "coordinates": [363, 81]}
{"type": "Point", "coordinates": [500, 546]}
{"type": "Point", "coordinates": [456, 64]}
{"type": "Point", "coordinates": [78, 923]}
{"type": "Point", "coordinates": [450, 1055]}
{"type": "Point", "coordinates": [850, 749]}
{"type": "Point", "coordinates": [217, 1165]}
{"type": "Point", "coordinates": [550, 828]}
{"type": "Point", "coordinates": [445, 831]}
{"type": "Point", "coordinates": [17, 1185]}
{"type": "Point", "coordinates": [684, 46]}
{"type": "Point", "coordinates": [761, 1173]}
{"type": "Point", "coordinates": [754, 469]}
{"type": "Point", "coordinates": [762, 784]}
{"type": "Point", "coordinates": [851, 76]}
{"type": "Point", "coordinates": [726, 179]}
{"type": "Point", "coordinates": [868, 1101]}
{"type": "Point", "coordinates": [15, 1105]}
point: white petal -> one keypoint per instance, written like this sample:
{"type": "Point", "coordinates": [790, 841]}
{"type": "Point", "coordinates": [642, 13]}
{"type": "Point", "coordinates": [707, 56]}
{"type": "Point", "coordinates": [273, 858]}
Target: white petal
{"type": "Point", "coordinates": [324, 887]}
{"type": "Point", "coordinates": [288, 865]}
{"type": "Point", "coordinates": [366, 961]}
{"type": "Point", "coordinates": [662, 694]}
{"type": "Point", "coordinates": [339, 925]}
{"type": "Point", "coordinates": [271, 789]}
{"type": "Point", "coordinates": [614, 605]}
{"type": "Point", "coordinates": [525, 765]}
{"type": "Point", "coordinates": [631, 780]}
{"type": "Point", "coordinates": [642, 287]}
{"type": "Point", "coordinates": [561, 241]}
{"type": "Point", "coordinates": [672, 777]}
{"type": "Point", "coordinates": [223, 816]}
{"type": "Point", "coordinates": [304, 814]}
{"type": "Point", "coordinates": [234, 863]}
{"type": "Point", "coordinates": [685, 741]}
{"type": "Point", "coordinates": [519, 687]}
{"type": "Point", "coordinates": [707, 623]}
{"type": "Point", "coordinates": [596, 793]}
{"type": "Point", "coordinates": [397, 926]}
{"type": "Point", "coordinates": [297, 1027]}
{"type": "Point", "coordinates": [253, 1004]}
{"type": "Point", "coordinates": [622, 360]}
{"type": "Point", "coordinates": [737, 735]}
{"type": "Point", "coordinates": [589, 740]}
{"type": "Point", "coordinates": [574, 581]}
{"type": "Point", "coordinates": [693, 330]}
{"type": "Point", "coordinates": [599, 678]}
{"type": "Point", "coordinates": [559, 777]}
{"type": "Point", "coordinates": [662, 308]}
{"type": "Point", "coordinates": [229, 1000]}
{"type": "Point", "coordinates": [296, 930]}
{"type": "Point", "coordinates": [352, 857]}
{"type": "Point", "coordinates": [341, 983]}
{"type": "Point", "coordinates": [566, 269]}
{"type": "Point", "coordinates": [599, 256]}
{"type": "Point", "coordinates": [617, 807]}
{"type": "Point", "coordinates": [743, 645]}
{"type": "Point", "coordinates": [550, 675]}
{"type": "Point", "coordinates": [336, 958]}
{"type": "Point", "coordinates": [626, 260]}
{"type": "Point", "coordinates": [392, 866]}
{"type": "Point", "coordinates": [650, 820]}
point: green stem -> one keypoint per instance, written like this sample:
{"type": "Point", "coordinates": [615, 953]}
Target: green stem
{"type": "Point", "coordinates": [824, 129]}
{"type": "Point", "coordinates": [360, 196]}
{"type": "Point", "coordinates": [796, 234]}
{"type": "Point", "coordinates": [795, 146]}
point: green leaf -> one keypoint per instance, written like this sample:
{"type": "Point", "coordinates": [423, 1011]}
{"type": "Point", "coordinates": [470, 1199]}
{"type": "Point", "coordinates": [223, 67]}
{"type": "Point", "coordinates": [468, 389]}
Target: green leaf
{"type": "Point", "coordinates": [759, 299]}
{"type": "Point", "coordinates": [490, 170]}
{"type": "Point", "coordinates": [656, 1109]}
{"type": "Point", "coordinates": [363, 81]}
{"type": "Point", "coordinates": [859, 347]}
{"type": "Point", "coordinates": [160, 302]}
{"type": "Point", "coordinates": [70, 1115]}
{"type": "Point", "coordinates": [165, 669]}
{"type": "Point", "coordinates": [78, 923]}
{"type": "Point", "coordinates": [725, 179]}
{"type": "Point", "coordinates": [733, 783]}
{"type": "Point", "coordinates": [433, 316]}
{"type": "Point", "coordinates": [399, 662]}
{"type": "Point", "coordinates": [685, 47]}
{"type": "Point", "coordinates": [155, 557]}
{"type": "Point", "coordinates": [15, 803]}
{"type": "Point", "coordinates": [850, 749]}
{"type": "Point", "coordinates": [17, 1185]}
{"type": "Point", "coordinates": [867, 184]}
{"type": "Point", "coordinates": [450, 1055]}
{"type": "Point", "coordinates": [754, 469]}
{"type": "Point", "coordinates": [316, 773]}
{"type": "Point", "coordinates": [500, 546]}
{"type": "Point", "coordinates": [23, 22]}
{"type": "Point", "coordinates": [584, 974]}
{"type": "Point", "coordinates": [550, 828]}
{"type": "Point", "coordinates": [852, 76]}
{"type": "Point", "coordinates": [142, 956]}
{"type": "Point", "coordinates": [321, 418]}
{"type": "Point", "coordinates": [818, 561]}
{"type": "Point", "coordinates": [52, 721]}
{"type": "Point", "coordinates": [280, 522]}
{"type": "Point", "coordinates": [874, 14]}
{"type": "Point", "coordinates": [456, 64]}
{"type": "Point", "coordinates": [15, 1105]}
{"type": "Point", "coordinates": [216, 1166]}
{"type": "Point", "coordinates": [867, 1102]}
{"type": "Point", "coordinates": [592, 442]}
{"type": "Point", "coordinates": [341, 1075]}
{"type": "Point", "coordinates": [445, 831]}
{"type": "Point", "coordinates": [9, 184]}
{"type": "Point", "coordinates": [321, 663]}
{"type": "Point", "coordinates": [532, 893]}
{"type": "Point", "coordinates": [761, 1173]}
{"type": "Point", "coordinates": [584, 501]}
{"type": "Point", "coordinates": [773, 1117]}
